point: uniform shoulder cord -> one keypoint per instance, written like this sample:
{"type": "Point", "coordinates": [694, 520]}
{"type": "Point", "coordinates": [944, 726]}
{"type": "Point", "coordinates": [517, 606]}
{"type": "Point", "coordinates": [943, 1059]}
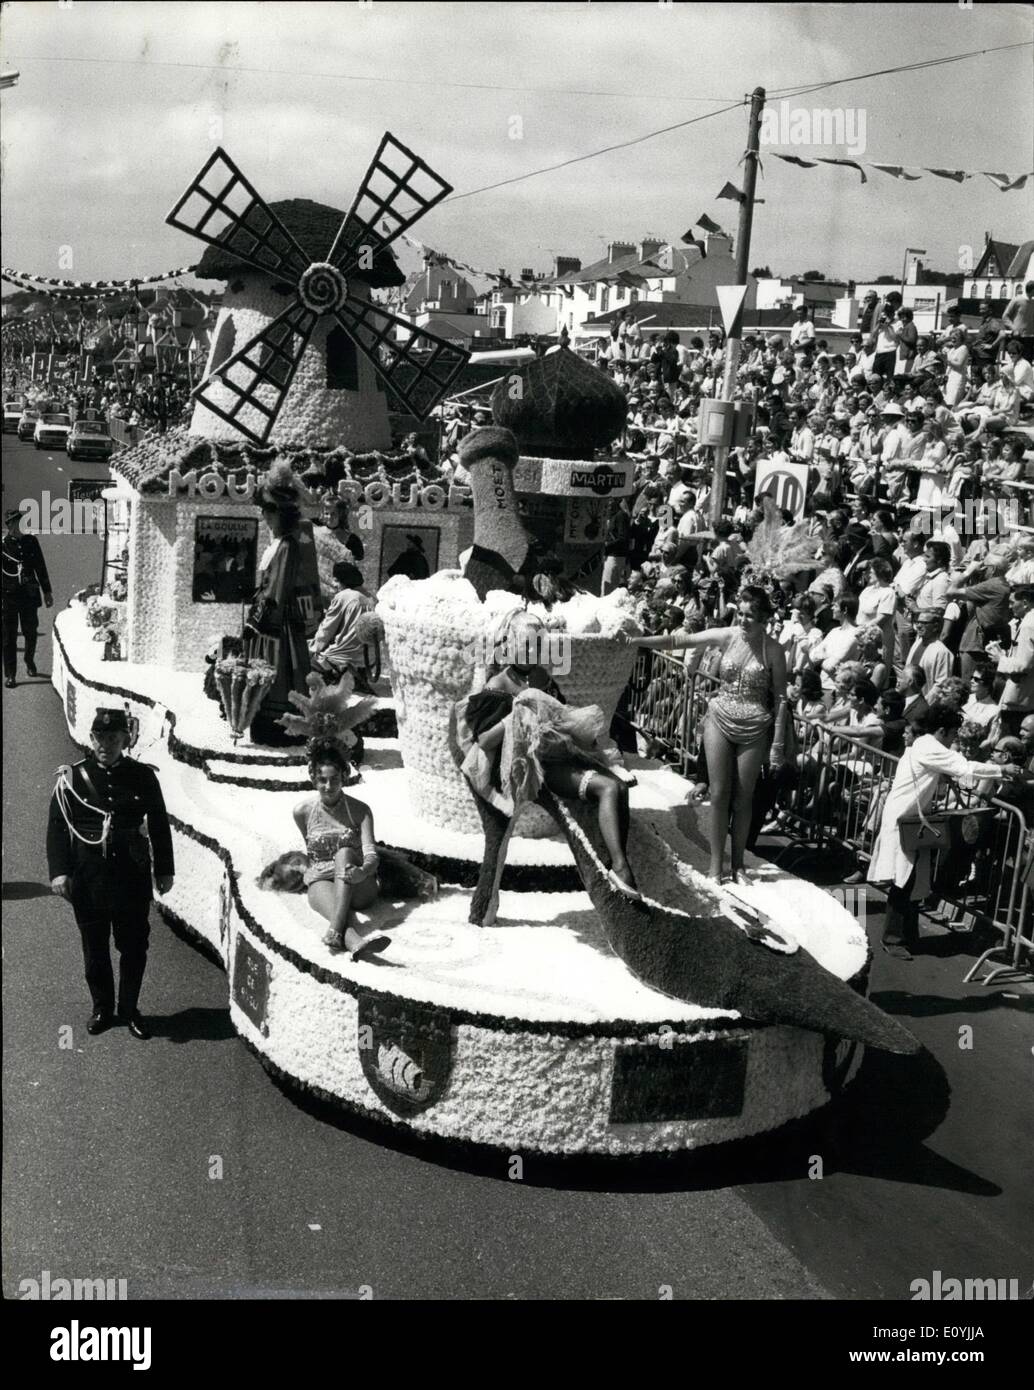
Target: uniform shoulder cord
{"type": "Point", "coordinates": [63, 790]}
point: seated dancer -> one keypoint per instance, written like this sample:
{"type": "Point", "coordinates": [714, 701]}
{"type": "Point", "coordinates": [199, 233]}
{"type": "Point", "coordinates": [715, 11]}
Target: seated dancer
{"type": "Point", "coordinates": [740, 723]}
{"type": "Point", "coordinates": [338, 834]}
{"type": "Point", "coordinates": [518, 737]}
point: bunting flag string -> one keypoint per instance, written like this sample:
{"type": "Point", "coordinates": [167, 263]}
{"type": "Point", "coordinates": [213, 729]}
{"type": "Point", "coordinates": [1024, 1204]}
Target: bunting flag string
{"type": "Point", "coordinates": [53, 293]}
{"type": "Point", "coordinates": [499, 277]}
{"type": "Point", "coordinates": [7, 273]}
{"type": "Point", "coordinates": [1005, 183]}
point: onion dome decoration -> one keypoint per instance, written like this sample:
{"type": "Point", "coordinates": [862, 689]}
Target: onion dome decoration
{"type": "Point", "coordinates": [563, 408]}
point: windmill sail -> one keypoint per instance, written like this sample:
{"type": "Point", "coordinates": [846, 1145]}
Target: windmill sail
{"type": "Point", "coordinates": [221, 207]}
{"type": "Point", "coordinates": [418, 366]}
{"type": "Point", "coordinates": [269, 360]}
{"type": "Point", "coordinates": [397, 190]}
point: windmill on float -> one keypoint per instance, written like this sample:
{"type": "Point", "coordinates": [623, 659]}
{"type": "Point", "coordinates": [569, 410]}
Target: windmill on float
{"type": "Point", "coordinates": [281, 373]}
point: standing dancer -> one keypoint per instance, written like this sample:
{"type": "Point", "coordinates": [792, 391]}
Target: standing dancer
{"type": "Point", "coordinates": [746, 719]}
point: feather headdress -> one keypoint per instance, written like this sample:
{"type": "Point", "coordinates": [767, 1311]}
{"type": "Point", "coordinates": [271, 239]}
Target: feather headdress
{"type": "Point", "coordinates": [328, 714]}
{"type": "Point", "coordinates": [778, 550]}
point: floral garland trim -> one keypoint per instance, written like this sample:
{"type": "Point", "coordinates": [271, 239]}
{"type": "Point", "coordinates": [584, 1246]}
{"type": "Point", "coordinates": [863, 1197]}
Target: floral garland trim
{"type": "Point", "coordinates": [241, 459]}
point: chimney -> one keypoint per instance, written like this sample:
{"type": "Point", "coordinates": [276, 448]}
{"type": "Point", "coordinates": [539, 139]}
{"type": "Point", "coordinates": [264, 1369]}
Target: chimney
{"type": "Point", "coordinates": [566, 265]}
{"type": "Point", "coordinates": [649, 247]}
{"type": "Point", "coordinates": [527, 274]}
{"type": "Point", "coordinates": [617, 249]}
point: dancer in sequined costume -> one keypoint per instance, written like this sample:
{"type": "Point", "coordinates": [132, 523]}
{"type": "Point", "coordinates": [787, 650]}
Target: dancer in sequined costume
{"type": "Point", "coordinates": [746, 719]}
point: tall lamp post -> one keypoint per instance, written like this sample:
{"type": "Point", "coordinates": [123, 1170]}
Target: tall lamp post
{"type": "Point", "coordinates": [732, 342]}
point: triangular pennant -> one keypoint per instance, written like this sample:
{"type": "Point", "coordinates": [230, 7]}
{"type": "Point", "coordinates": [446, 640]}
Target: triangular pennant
{"type": "Point", "coordinates": [796, 159]}
{"type": "Point", "coordinates": [1004, 183]}
{"type": "Point", "coordinates": [690, 240]}
{"type": "Point", "coordinates": [849, 163]}
{"type": "Point", "coordinates": [707, 224]}
{"type": "Point", "coordinates": [730, 297]}
{"type": "Point", "coordinates": [957, 175]}
{"type": "Point", "coordinates": [731, 191]}
{"type": "Point", "coordinates": [895, 170]}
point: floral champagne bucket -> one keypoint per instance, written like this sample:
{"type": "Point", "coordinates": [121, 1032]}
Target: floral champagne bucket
{"type": "Point", "coordinates": [432, 664]}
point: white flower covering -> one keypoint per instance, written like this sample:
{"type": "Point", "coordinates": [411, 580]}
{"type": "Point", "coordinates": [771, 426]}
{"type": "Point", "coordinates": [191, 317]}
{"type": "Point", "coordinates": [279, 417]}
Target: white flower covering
{"type": "Point", "coordinates": [311, 414]}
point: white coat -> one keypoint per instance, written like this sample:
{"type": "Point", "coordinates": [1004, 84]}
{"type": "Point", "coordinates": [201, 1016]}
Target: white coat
{"type": "Point", "coordinates": [920, 770]}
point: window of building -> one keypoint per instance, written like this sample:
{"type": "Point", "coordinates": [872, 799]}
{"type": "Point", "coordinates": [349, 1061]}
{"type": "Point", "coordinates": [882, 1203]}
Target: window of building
{"type": "Point", "coordinates": [224, 342]}
{"type": "Point", "coordinates": [604, 299]}
{"type": "Point", "coordinates": [342, 362]}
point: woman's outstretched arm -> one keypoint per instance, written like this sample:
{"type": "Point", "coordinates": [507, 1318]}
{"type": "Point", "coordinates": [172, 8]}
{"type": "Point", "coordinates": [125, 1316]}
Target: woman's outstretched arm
{"type": "Point", "coordinates": [679, 641]}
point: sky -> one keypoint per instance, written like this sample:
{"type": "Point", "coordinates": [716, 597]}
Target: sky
{"type": "Point", "coordinates": [119, 104]}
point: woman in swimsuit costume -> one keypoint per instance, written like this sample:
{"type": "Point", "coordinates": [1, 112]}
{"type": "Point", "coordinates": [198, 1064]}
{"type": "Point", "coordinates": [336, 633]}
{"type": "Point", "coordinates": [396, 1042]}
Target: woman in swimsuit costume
{"type": "Point", "coordinates": [743, 718]}
{"type": "Point", "coordinates": [338, 834]}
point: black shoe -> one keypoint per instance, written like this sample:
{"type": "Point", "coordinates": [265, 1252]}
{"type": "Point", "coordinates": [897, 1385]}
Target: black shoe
{"type": "Point", "coordinates": [100, 1021]}
{"type": "Point", "coordinates": [372, 946]}
{"type": "Point", "coordinates": [30, 670]}
{"type": "Point", "coordinates": [137, 1027]}
{"type": "Point", "coordinates": [10, 682]}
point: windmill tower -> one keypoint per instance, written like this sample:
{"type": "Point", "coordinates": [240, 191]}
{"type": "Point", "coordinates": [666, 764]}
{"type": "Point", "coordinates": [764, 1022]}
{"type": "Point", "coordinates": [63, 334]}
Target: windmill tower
{"type": "Point", "coordinates": [300, 353]}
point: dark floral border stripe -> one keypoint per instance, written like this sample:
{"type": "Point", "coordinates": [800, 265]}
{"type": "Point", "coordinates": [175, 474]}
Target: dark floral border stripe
{"type": "Point", "coordinates": [99, 685]}
{"type": "Point", "coordinates": [381, 724]}
{"type": "Point", "coordinates": [517, 878]}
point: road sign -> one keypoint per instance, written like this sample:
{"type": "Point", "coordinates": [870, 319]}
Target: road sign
{"type": "Point", "coordinates": [730, 297]}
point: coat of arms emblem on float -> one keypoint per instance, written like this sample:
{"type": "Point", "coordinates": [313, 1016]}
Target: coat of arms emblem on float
{"type": "Point", "coordinates": [406, 1053]}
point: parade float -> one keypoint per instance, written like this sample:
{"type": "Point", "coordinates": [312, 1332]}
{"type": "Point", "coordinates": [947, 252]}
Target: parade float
{"type": "Point", "coordinates": [528, 1004]}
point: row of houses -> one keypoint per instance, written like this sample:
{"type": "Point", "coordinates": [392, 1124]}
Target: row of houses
{"type": "Point", "coordinates": [664, 287]}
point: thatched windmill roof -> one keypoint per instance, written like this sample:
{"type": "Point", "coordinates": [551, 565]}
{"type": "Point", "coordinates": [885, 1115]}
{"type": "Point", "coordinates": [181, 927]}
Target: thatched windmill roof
{"type": "Point", "coordinates": [314, 226]}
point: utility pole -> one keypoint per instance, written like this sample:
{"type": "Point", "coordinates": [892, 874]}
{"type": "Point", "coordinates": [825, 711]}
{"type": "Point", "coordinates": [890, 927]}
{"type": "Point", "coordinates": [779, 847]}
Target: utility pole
{"type": "Point", "coordinates": [732, 342]}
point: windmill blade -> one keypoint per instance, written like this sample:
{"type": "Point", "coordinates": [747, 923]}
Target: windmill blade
{"type": "Point", "coordinates": [269, 360]}
{"type": "Point", "coordinates": [419, 367]}
{"type": "Point", "coordinates": [399, 187]}
{"type": "Point", "coordinates": [221, 207]}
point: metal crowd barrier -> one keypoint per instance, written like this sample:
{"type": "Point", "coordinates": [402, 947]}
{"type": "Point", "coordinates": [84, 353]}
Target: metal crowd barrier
{"type": "Point", "coordinates": [123, 434]}
{"type": "Point", "coordinates": [835, 797]}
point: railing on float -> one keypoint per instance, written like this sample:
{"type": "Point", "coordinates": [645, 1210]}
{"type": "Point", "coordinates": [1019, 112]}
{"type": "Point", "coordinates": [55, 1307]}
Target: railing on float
{"type": "Point", "coordinates": [837, 799]}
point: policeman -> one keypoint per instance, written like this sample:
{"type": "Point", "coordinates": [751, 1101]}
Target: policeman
{"type": "Point", "coordinates": [101, 863]}
{"type": "Point", "coordinates": [24, 579]}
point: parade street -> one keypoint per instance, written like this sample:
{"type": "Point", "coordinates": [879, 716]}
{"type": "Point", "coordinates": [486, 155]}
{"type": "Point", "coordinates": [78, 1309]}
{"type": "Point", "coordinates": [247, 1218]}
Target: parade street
{"type": "Point", "coordinates": [178, 1166]}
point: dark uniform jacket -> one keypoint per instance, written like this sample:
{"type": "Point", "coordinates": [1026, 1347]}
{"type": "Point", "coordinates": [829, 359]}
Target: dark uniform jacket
{"type": "Point", "coordinates": [23, 567]}
{"type": "Point", "coordinates": [131, 792]}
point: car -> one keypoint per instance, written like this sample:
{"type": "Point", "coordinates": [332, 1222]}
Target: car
{"type": "Point", "coordinates": [27, 424]}
{"type": "Point", "coordinates": [12, 414]}
{"type": "Point", "coordinates": [52, 429]}
{"type": "Point", "coordinates": [89, 439]}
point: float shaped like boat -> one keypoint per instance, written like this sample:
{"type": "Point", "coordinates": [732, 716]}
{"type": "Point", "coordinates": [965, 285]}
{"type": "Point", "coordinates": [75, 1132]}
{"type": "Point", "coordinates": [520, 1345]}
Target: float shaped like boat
{"type": "Point", "coordinates": [539, 1033]}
